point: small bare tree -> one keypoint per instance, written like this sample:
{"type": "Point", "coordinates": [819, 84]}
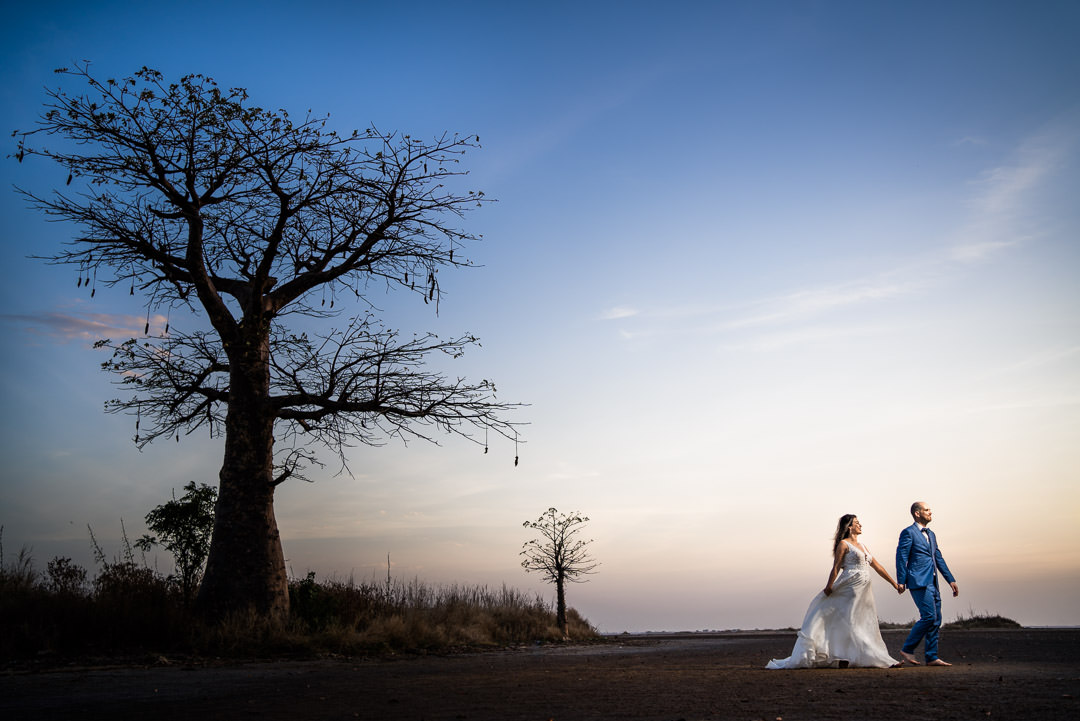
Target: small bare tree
{"type": "Point", "coordinates": [560, 555]}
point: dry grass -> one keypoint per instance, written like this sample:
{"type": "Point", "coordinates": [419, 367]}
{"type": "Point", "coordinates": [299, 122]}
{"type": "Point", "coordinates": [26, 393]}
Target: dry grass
{"type": "Point", "coordinates": [129, 608]}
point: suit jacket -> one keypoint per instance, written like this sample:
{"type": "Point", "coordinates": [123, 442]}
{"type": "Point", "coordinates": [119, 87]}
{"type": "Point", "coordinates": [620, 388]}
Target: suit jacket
{"type": "Point", "coordinates": [917, 562]}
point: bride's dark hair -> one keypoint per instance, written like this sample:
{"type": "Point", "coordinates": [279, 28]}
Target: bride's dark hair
{"type": "Point", "coordinates": [843, 529]}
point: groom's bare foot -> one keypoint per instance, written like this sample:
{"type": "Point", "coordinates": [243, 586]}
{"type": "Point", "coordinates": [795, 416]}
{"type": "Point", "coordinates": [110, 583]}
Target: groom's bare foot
{"type": "Point", "coordinates": [938, 662]}
{"type": "Point", "coordinates": [909, 658]}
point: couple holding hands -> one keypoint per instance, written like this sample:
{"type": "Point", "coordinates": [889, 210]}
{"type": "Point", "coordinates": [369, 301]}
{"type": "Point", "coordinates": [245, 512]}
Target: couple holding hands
{"type": "Point", "coordinates": [841, 625]}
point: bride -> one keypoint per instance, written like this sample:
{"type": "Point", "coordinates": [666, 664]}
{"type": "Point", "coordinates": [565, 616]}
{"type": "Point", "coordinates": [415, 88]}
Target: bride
{"type": "Point", "coordinates": [841, 625]}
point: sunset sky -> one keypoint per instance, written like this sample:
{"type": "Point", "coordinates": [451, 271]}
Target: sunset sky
{"type": "Point", "coordinates": [753, 265]}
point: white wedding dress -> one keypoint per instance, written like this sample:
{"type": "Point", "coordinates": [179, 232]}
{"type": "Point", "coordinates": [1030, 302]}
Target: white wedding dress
{"type": "Point", "coordinates": [842, 626]}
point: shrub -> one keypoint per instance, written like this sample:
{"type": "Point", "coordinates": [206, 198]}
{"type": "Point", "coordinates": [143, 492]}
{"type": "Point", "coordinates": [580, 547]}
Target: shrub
{"type": "Point", "coordinates": [65, 578]}
{"type": "Point", "coordinates": [982, 620]}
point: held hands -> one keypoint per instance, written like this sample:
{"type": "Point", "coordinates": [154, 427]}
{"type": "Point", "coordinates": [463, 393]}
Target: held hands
{"type": "Point", "coordinates": [900, 588]}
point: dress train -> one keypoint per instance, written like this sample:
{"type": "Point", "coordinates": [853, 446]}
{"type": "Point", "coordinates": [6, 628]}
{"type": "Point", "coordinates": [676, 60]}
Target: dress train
{"type": "Point", "coordinates": [843, 626]}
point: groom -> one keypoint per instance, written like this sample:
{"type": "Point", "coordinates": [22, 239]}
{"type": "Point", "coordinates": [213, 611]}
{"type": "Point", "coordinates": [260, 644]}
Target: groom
{"type": "Point", "coordinates": [918, 560]}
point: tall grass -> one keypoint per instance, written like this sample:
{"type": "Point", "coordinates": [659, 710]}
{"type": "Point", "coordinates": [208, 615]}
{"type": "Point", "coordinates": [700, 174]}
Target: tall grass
{"type": "Point", "coordinates": [130, 609]}
{"type": "Point", "coordinates": [419, 615]}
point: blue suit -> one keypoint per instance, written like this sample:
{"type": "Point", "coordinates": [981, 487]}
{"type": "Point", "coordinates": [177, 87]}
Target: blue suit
{"type": "Point", "coordinates": [918, 560]}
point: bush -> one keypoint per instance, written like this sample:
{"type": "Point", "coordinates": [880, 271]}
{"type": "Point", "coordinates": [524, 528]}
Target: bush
{"type": "Point", "coordinates": [982, 620]}
{"type": "Point", "coordinates": [65, 578]}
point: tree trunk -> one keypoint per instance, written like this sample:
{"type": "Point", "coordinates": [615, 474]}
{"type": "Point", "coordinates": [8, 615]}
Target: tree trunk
{"type": "Point", "coordinates": [560, 608]}
{"type": "Point", "coordinates": [245, 569]}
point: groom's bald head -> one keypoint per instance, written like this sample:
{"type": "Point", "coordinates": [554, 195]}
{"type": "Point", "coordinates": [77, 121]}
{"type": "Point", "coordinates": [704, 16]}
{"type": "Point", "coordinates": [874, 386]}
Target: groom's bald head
{"type": "Point", "coordinates": [921, 513]}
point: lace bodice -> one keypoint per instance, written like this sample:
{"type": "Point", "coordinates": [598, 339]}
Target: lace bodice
{"type": "Point", "coordinates": [855, 559]}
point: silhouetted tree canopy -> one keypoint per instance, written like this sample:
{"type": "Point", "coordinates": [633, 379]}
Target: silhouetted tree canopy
{"type": "Point", "coordinates": [186, 194]}
{"type": "Point", "coordinates": [560, 555]}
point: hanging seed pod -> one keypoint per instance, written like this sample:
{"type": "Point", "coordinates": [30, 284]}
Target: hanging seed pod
{"type": "Point", "coordinates": [515, 461]}
{"type": "Point", "coordinates": [146, 330]}
{"type": "Point", "coordinates": [68, 180]}
{"type": "Point", "coordinates": [93, 292]}
{"type": "Point", "coordinates": [79, 284]}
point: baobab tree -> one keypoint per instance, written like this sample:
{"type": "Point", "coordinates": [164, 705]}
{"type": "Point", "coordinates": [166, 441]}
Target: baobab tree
{"type": "Point", "coordinates": [190, 196]}
{"type": "Point", "coordinates": [559, 555]}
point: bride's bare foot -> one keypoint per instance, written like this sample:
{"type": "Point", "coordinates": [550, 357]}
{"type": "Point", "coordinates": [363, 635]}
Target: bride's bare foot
{"type": "Point", "coordinates": [938, 662]}
{"type": "Point", "coordinates": [909, 658]}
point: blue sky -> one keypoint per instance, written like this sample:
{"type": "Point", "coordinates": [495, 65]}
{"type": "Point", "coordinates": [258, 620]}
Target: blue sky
{"type": "Point", "coordinates": [753, 265]}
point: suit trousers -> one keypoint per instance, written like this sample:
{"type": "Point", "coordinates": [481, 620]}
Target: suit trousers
{"type": "Point", "coordinates": [928, 601]}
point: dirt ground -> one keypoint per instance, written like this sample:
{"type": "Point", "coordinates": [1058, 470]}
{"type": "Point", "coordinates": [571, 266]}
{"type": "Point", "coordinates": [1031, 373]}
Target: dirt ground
{"type": "Point", "coordinates": [1000, 674]}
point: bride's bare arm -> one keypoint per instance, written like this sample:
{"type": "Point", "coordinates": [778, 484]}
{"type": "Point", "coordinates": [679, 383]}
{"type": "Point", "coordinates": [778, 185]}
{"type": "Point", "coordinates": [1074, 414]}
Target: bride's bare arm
{"type": "Point", "coordinates": [838, 557]}
{"type": "Point", "coordinates": [885, 574]}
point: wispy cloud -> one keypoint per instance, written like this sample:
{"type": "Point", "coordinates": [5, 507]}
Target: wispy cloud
{"type": "Point", "coordinates": [1003, 216]}
{"type": "Point", "coordinates": [768, 315]}
{"type": "Point", "coordinates": [812, 302]}
{"type": "Point", "coordinates": [975, 251]}
{"type": "Point", "coordinates": [1003, 204]}
{"type": "Point", "coordinates": [618, 312]}
{"type": "Point", "coordinates": [970, 140]}
{"type": "Point", "coordinates": [768, 342]}
{"type": "Point", "coordinates": [562, 122]}
{"type": "Point", "coordinates": [1033, 362]}
{"type": "Point", "coordinates": [1001, 190]}
{"type": "Point", "coordinates": [74, 325]}
{"type": "Point", "coordinates": [1033, 404]}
